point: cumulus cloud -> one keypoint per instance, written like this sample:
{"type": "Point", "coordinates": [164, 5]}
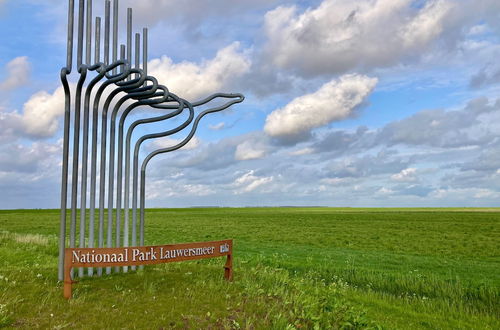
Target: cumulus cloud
{"type": "Point", "coordinates": [340, 35]}
{"type": "Point", "coordinates": [335, 100]}
{"type": "Point", "coordinates": [441, 128]}
{"type": "Point", "coordinates": [474, 125]}
{"type": "Point", "coordinates": [249, 150]}
{"type": "Point", "coordinates": [41, 113]}
{"type": "Point", "coordinates": [162, 189]}
{"type": "Point", "coordinates": [39, 119]}
{"type": "Point", "coordinates": [383, 163]}
{"type": "Point", "coordinates": [19, 158]}
{"type": "Point", "coordinates": [10, 125]}
{"type": "Point", "coordinates": [406, 175]}
{"type": "Point", "coordinates": [488, 75]}
{"type": "Point", "coordinates": [249, 182]}
{"type": "Point", "coordinates": [488, 162]}
{"type": "Point", "coordinates": [193, 81]}
{"type": "Point", "coordinates": [30, 174]}
{"type": "Point", "coordinates": [18, 73]}
{"type": "Point", "coordinates": [167, 142]}
{"type": "Point", "coordinates": [189, 12]}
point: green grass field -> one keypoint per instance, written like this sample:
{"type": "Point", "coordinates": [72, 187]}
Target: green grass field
{"type": "Point", "coordinates": [313, 268]}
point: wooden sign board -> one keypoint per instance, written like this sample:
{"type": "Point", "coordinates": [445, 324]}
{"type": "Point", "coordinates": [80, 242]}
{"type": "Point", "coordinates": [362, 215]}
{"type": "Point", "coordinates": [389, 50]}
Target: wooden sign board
{"type": "Point", "coordinates": [145, 255]}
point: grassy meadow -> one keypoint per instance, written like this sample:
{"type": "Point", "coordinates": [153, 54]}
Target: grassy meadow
{"type": "Point", "coordinates": [311, 268]}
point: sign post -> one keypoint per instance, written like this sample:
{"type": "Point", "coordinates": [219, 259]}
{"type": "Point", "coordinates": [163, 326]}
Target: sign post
{"type": "Point", "coordinates": [145, 255]}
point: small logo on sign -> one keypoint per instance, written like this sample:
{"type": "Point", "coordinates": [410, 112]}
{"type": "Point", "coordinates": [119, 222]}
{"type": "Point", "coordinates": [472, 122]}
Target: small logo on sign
{"type": "Point", "coordinates": [224, 248]}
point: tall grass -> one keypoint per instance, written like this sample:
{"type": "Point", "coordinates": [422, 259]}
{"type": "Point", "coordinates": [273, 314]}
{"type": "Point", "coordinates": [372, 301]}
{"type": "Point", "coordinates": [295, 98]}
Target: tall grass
{"type": "Point", "coordinates": [294, 268]}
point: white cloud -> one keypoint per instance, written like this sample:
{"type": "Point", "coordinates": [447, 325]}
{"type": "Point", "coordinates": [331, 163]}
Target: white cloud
{"type": "Point", "coordinates": [161, 189]}
{"type": "Point", "coordinates": [340, 35]}
{"type": "Point", "coordinates": [406, 175]}
{"type": "Point", "coordinates": [486, 193]}
{"type": "Point", "coordinates": [427, 25]}
{"type": "Point", "coordinates": [10, 125]}
{"type": "Point", "coordinates": [335, 100]}
{"type": "Point", "coordinates": [300, 152]}
{"type": "Point", "coordinates": [19, 158]}
{"type": "Point", "coordinates": [249, 150]}
{"type": "Point", "coordinates": [465, 194]}
{"type": "Point", "coordinates": [193, 81]}
{"type": "Point", "coordinates": [478, 30]}
{"type": "Point", "coordinates": [440, 128]}
{"type": "Point", "coordinates": [167, 142]}
{"type": "Point", "coordinates": [249, 182]}
{"type": "Point", "coordinates": [18, 73]}
{"type": "Point", "coordinates": [198, 189]}
{"type": "Point", "coordinates": [217, 127]}
{"type": "Point", "coordinates": [188, 12]}
{"type": "Point", "coordinates": [385, 191]}
{"type": "Point", "coordinates": [42, 113]}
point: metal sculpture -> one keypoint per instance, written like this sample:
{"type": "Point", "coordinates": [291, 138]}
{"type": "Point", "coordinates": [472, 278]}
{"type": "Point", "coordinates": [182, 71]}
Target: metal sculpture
{"type": "Point", "coordinates": [96, 110]}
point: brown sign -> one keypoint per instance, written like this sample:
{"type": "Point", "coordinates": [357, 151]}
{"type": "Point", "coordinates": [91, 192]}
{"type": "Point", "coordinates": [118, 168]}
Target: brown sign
{"type": "Point", "coordinates": [145, 255]}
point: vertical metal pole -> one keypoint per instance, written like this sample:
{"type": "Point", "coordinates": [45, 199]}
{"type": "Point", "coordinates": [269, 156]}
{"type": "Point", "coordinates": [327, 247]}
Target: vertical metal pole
{"type": "Point", "coordinates": [115, 33]}
{"type": "Point", "coordinates": [88, 94]}
{"type": "Point", "coordinates": [107, 26]}
{"type": "Point", "coordinates": [102, 180]}
{"type": "Point", "coordinates": [137, 52]}
{"type": "Point", "coordinates": [64, 175]}
{"type": "Point", "coordinates": [76, 135]}
{"type": "Point", "coordinates": [134, 200]}
{"type": "Point", "coordinates": [76, 149]}
{"type": "Point", "coordinates": [134, 173]}
{"type": "Point", "coordinates": [83, 191]}
{"type": "Point", "coordinates": [145, 50]}
{"type": "Point", "coordinates": [119, 181]}
{"type": "Point", "coordinates": [126, 230]}
{"type": "Point", "coordinates": [111, 179]}
{"type": "Point", "coordinates": [102, 167]}
{"type": "Point", "coordinates": [71, 28]}
{"type": "Point", "coordinates": [123, 50]}
{"type": "Point", "coordinates": [95, 117]}
{"type": "Point", "coordinates": [142, 205]}
{"type": "Point", "coordinates": [145, 68]}
{"type": "Point", "coordinates": [127, 162]}
{"type": "Point", "coordinates": [129, 38]}
{"type": "Point", "coordinates": [97, 46]}
{"type": "Point", "coordinates": [118, 175]}
{"type": "Point", "coordinates": [88, 49]}
{"type": "Point", "coordinates": [80, 33]}
{"type": "Point", "coordinates": [135, 193]}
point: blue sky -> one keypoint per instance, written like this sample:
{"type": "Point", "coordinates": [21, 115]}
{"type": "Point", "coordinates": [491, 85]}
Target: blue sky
{"type": "Point", "coordinates": [348, 103]}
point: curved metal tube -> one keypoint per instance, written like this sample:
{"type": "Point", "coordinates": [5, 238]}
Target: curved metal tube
{"type": "Point", "coordinates": [125, 86]}
{"type": "Point", "coordinates": [130, 130]}
{"type": "Point", "coordinates": [144, 99]}
{"type": "Point", "coordinates": [76, 148]}
{"type": "Point", "coordinates": [179, 145]}
{"type": "Point", "coordinates": [83, 194]}
{"type": "Point", "coordinates": [93, 162]}
{"type": "Point", "coordinates": [64, 178]}
{"type": "Point", "coordinates": [135, 93]}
